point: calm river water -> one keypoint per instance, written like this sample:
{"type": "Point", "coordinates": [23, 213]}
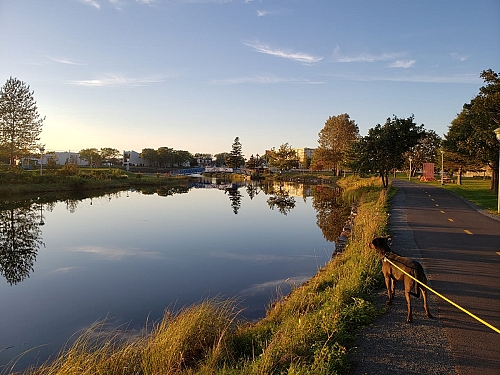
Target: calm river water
{"type": "Point", "coordinates": [127, 256]}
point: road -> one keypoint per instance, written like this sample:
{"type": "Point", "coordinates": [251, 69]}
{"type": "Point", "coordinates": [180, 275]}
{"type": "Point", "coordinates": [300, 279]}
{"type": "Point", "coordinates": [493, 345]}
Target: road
{"type": "Point", "coordinates": [460, 248]}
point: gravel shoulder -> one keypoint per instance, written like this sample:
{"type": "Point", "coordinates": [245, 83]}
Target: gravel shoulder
{"type": "Point", "coordinates": [392, 346]}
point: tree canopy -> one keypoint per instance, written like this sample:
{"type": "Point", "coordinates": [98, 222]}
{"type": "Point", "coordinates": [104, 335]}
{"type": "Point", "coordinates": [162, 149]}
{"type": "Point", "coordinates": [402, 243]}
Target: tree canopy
{"type": "Point", "coordinates": [383, 149]}
{"type": "Point", "coordinates": [20, 122]}
{"type": "Point", "coordinates": [334, 141]}
{"type": "Point", "coordinates": [235, 158]}
{"type": "Point", "coordinates": [284, 158]}
{"type": "Point", "coordinates": [471, 132]}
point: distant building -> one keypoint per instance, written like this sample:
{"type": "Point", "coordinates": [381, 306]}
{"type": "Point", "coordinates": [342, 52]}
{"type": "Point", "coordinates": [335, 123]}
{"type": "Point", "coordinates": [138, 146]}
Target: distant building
{"type": "Point", "coordinates": [132, 158]}
{"type": "Point", "coordinates": [69, 157]}
{"type": "Point", "coordinates": [303, 154]}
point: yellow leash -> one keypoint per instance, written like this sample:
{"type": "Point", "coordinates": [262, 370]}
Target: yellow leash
{"type": "Point", "coordinates": [443, 297]}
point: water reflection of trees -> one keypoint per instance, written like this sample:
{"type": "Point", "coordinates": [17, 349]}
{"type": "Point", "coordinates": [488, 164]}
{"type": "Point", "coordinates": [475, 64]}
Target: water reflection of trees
{"type": "Point", "coordinates": [331, 210]}
{"type": "Point", "coordinates": [164, 191]}
{"type": "Point", "coordinates": [20, 239]}
{"type": "Point", "coordinates": [234, 197]}
{"type": "Point", "coordinates": [281, 199]}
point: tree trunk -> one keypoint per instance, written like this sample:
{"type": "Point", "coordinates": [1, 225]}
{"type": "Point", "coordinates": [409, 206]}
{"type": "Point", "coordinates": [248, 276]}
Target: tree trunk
{"type": "Point", "coordinates": [459, 177]}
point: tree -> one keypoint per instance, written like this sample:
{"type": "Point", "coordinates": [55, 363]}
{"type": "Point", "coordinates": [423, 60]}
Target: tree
{"type": "Point", "coordinates": [471, 132]}
{"type": "Point", "coordinates": [334, 140]}
{"type": "Point", "coordinates": [150, 156]}
{"type": "Point", "coordinates": [220, 159]}
{"type": "Point", "coordinates": [91, 155]}
{"type": "Point", "coordinates": [383, 149]}
{"type": "Point", "coordinates": [20, 123]}
{"type": "Point", "coordinates": [235, 158]}
{"type": "Point", "coordinates": [109, 155]}
{"type": "Point", "coordinates": [180, 157]}
{"type": "Point", "coordinates": [165, 156]}
{"type": "Point", "coordinates": [425, 151]}
{"type": "Point", "coordinates": [284, 158]}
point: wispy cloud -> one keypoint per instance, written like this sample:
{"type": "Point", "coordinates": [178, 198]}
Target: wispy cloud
{"type": "Point", "coordinates": [269, 79]}
{"type": "Point", "coordinates": [206, 1]}
{"type": "Point", "coordinates": [405, 64]}
{"type": "Point", "coordinates": [367, 58]}
{"type": "Point", "coordinates": [118, 80]}
{"type": "Point", "coordinates": [117, 4]}
{"type": "Point", "coordinates": [67, 61]}
{"type": "Point", "coordinates": [296, 56]}
{"type": "Point", "coordinates": [93, 3]}
{"type": "Point", "coordinates": [459, 57]}
{"type": "Point", "coordinates": [262, 13]}
{"type": "Point", "coordinates": [417, 78]}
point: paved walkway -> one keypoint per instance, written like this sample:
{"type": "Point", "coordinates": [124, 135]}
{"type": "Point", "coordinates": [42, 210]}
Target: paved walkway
{"type": "Point", "coordinates": [458, 247]}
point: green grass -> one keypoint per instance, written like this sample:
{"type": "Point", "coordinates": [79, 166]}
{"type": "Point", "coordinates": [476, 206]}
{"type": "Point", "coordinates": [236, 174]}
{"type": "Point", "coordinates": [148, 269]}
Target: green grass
{"type": "Point", "coordinates": [309, 331]}
{"type": "Point", "coordinates": [474, 189]}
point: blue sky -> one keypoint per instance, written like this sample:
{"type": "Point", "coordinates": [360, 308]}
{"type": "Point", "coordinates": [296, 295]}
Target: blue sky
{"type": "Point", "coordinates": [195, 74]}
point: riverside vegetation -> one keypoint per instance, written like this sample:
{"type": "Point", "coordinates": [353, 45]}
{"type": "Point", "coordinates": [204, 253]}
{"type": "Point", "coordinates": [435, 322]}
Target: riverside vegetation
{"type": "Point", "coordinates": [309, 331]}
{"type": "Point", "coordinates": [70, 177]}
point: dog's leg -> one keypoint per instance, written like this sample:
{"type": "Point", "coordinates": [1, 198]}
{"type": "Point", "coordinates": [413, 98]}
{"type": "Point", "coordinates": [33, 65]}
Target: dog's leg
{"type": "Point", "coordinates": [389, 285]}
{"type": "Point", "coordinates": [426, 306]}
{"type": "Point", "coordinates": [409, 318]}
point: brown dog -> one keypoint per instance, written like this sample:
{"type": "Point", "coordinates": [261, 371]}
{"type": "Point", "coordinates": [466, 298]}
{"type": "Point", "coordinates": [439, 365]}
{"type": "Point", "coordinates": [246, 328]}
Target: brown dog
{"type": "Point", "coordinates": [392, 274]}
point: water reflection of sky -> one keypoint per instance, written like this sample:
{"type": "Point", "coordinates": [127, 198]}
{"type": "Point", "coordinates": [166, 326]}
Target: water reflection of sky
{"type": "Point", "coordinates": [128, 258]}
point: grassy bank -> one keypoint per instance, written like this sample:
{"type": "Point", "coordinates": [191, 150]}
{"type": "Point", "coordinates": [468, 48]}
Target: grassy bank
{"type": "Point", "coordinates": [15, 181]}
{"type": "Point", "coordinates": [310, 331]}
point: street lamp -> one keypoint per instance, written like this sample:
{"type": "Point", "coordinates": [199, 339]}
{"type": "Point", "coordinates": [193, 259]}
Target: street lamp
{"type": "Point", "coordinates": [42, 150]}
{"type": "Point", "coordinates": [442, 167]}
{"type": "Point", "coordinates": [409, 176]}
{"type": "Point", "coordinates": [497, 132]}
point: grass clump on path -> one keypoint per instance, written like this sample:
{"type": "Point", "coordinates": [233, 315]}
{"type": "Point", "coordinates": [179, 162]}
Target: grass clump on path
{"type": "Point", "coordinates": [309, 331]}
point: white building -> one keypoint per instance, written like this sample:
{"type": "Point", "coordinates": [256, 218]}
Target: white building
{"type": "Point", "coordinates": [303, 153]}
{"type": "Point", "coordinates": [132, 158]}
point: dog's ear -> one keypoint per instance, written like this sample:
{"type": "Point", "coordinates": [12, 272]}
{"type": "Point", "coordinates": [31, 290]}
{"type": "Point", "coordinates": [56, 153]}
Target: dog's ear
{"type": "Point", "coordinates": [378, 242]}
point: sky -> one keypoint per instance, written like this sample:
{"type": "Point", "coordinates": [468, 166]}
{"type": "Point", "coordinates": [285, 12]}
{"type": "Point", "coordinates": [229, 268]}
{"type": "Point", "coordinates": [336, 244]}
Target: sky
{"type": "Point", "coordinates": [195, 74]}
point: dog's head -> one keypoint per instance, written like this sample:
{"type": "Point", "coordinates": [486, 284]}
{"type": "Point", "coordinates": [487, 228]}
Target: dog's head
{"type": "Point", "coordinates": [381, 245]}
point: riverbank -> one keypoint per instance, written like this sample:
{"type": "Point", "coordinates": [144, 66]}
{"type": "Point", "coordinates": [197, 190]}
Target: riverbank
{"type": "Point", "coordinates": [15, 182]}
{"type": "Point", "coordinates": [310, 331]}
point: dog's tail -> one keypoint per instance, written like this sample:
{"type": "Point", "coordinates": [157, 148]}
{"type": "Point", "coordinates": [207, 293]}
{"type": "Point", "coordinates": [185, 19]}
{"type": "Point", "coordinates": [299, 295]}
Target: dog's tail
{"type": "Point", "coordinates": [415, 291]}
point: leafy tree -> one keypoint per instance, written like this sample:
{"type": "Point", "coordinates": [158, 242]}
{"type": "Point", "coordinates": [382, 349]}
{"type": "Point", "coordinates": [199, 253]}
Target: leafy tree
{"type": "Point", "coordinates": [110, 155]}
{"type": "Point", "coordinates": [284, 158]}
{"type": "Point", "coordinates": [180, 157]}
{"type": "Point", "coordinates": [425, 151]}
{"type": "Point", "coordinates": [220, 159]}
{"type": "Point", "coordinates": [91, 155]}
{"type": "Point", "coordinates": [150, 156]}
{"type": "Point", "coordinates": [335, 139]}
{"type": "Point", "coordinates": [235, 158]}
{"type": "Point", "coordinates": [383, 149]}
{"type": "Point", "coordinates": [20, 123]}
{"type": "Point", "coordinates": [165, 156]}
{"type": "Point", "coordinates": [471, 132]}
{"type": "Point", "coordinates": [251, 163]}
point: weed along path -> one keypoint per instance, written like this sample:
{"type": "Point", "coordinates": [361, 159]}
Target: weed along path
{"type": "Point", "coordinates": [459, 249]}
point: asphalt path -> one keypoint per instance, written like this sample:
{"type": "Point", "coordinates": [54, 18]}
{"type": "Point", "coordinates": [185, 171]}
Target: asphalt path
{"type": "Point", "coordinates": [460, 248]}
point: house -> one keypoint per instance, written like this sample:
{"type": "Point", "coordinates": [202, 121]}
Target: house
{"type": "Point", "coordinates": [132, 158]}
